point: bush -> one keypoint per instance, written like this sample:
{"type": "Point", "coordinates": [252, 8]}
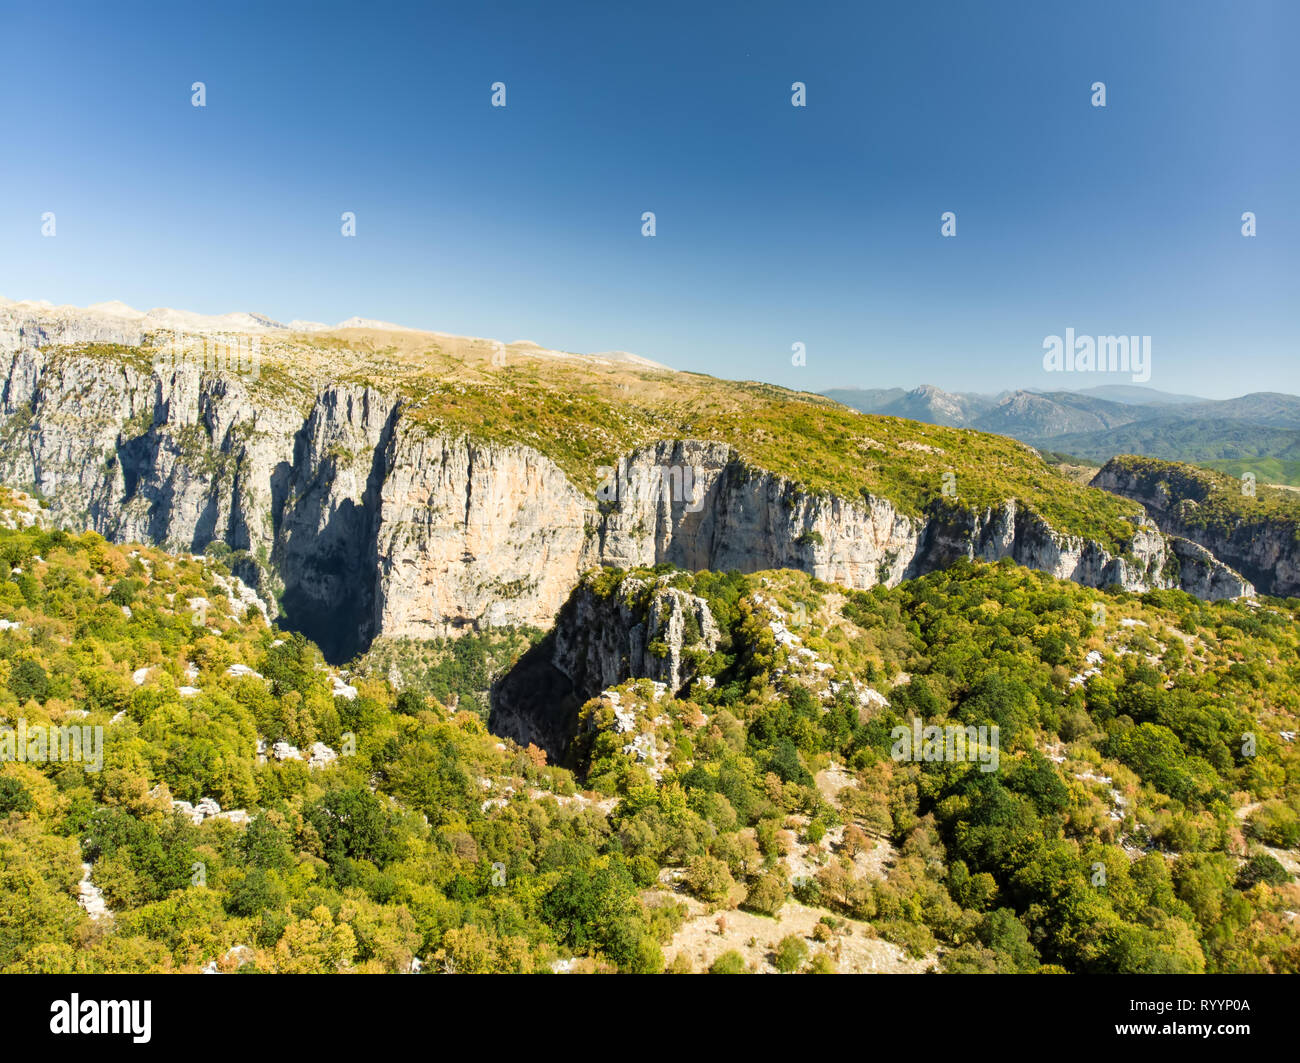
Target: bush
{"type": "Point", "coordinates": [730, 962]}
{"type": "Point", "coordinates": [791, 954]}
{"type": "Point", "coordinates": [28, 681]}
{"type": "Point", "coordinates": [767, 895]}
{"type": "Point", "coordinates": [914, 938]}
{"type": "Point", "coordinates": [125, 590]}
{"type": "Point", "coordinates": [708, 878]}
{"type": "Point", "coordinates": [1261, 868]}
{"type": "Point", "coordinates": [645, 872]}
{"type": "Point", "coordinates": [1274, 823]}
{"type": "Point", "coordinates": [13, 796]}
{"type": "Point", "coordinates": [822, 964]}
{"type": "Point", "coordinates": [255, 893]}
{"type": "Point", "coordinates": [410, 703]}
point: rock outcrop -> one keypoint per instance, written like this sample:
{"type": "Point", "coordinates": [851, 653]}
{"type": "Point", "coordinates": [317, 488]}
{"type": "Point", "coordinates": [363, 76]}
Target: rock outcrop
{"type": "Point", "coordinates": [644, 631]}
{"type": "Point", "coordinates": [640, 630]}
{"type": "Point", "coordinates": [1265, 551]}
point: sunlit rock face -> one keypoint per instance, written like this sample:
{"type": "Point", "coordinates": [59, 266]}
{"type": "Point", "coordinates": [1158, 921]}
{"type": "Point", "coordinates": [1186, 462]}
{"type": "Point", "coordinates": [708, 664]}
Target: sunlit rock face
{"type": "Point", "coordinates": [358, 521]}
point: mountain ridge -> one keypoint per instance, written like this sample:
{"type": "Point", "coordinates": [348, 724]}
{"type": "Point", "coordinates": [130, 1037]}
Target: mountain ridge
{"type": "Point", "coordinates": [1099, 423]}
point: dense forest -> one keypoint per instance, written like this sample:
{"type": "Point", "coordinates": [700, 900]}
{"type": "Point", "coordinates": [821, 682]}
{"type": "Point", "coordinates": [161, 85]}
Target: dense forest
{"type": "Point", "coordinates": [257, 811]}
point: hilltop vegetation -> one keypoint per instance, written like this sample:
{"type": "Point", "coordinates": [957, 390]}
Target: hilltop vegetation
{"type": "Point", "coordinates": [1212, 500]}
{"type": "Point", "coordinates": [771, 791]}
{"type": "Point", "coordinates": [1125, 829]}
{"type": "Point", "coordinates": [585, 413]}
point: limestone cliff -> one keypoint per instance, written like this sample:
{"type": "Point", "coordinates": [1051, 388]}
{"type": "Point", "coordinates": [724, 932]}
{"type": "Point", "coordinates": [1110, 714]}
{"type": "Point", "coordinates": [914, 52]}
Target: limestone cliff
{"type": "Point", "coordinates": [639, 630]}
{"type": "Point", "coordinates": [1264, 548]}
{"type": "Point", "coordinates": [360, 521]}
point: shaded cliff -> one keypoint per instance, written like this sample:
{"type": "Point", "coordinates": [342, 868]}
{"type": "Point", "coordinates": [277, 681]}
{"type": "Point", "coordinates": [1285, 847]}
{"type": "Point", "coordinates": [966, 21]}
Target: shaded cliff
{"type": "Point", "coordinates": [1254, 529]}
{"type": "Point", "coordinates": [636, 629]}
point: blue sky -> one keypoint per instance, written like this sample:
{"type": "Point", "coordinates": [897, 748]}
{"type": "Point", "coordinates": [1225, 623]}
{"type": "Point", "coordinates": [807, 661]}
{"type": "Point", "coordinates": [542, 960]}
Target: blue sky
{"type": "Point", "coordinates": [775, 224]}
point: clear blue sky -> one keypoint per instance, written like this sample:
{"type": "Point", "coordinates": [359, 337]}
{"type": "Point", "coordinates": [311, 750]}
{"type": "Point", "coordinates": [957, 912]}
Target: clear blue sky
{"type": "Point", "coordinates": [776, 224]}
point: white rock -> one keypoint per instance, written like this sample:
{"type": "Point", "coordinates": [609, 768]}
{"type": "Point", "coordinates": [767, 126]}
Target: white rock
{"type": "Point", "coordinates": [868, 696]}
{"type": "Point", "coordinates": [91, 897]}
{"type": "Point", "coordinates": [187, 810]}
{"type": "Point", "coordinates": [241, 596]}
{"type": "Point", "coordinates": [238, 816]}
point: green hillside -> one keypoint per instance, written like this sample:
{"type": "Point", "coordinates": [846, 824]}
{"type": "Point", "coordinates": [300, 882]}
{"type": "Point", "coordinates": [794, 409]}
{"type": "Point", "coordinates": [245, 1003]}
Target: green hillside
{"type": "Point", "coordinates": [1235, 446]}
{"type": "Point", "coordinates": [1266, 470]}
{"type": "Point", "coordinates": [778, 797]}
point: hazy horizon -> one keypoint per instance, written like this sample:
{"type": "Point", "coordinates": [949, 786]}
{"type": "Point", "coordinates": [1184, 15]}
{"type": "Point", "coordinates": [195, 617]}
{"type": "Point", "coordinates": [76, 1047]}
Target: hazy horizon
{"type": "Point", "coordinates": [1100, 383]}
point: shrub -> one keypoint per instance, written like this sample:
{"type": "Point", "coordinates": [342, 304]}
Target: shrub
{"type": "Point", "coordinates": [791, 954]}
{"type": "Point", "coordinates": [708, 878]}
{"type": "Point", "coordinates": [730, 962]}
{"type": "Point", "coordinates": [767, 895]}
{"type": "Point", "coordinates": [13, 796]}
{"type": "Point", "coordinates": [28, 681]}
{"type": "Point", "coordinates": [1261, 868]}
{"type": "Point", "coordinates": [1275, 823]}
{"type": "Point", "coordinates": [125, 590]}
{"type": "Point", "coordinates": [822, 963]}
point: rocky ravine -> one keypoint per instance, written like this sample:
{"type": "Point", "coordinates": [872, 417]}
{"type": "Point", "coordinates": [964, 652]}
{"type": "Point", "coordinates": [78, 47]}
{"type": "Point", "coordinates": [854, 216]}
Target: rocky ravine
{"type": "Point", "coordinates": [1267, 552]}
{"type": "Point", "coordinates": [363, 523]}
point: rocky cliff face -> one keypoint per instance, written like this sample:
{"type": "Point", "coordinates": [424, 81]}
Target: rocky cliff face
{"type": "Point", "coordinates": [1152, 560]}
{"type": "Point", "coordinates": [750, 520]}
{"type": "Point", "coordinates": [1265, 552]}
{"type": "Point", "coordinates": [643, 631]}
{"type": "Point", "coordinates": [362, 522]}
{"type": "Point", "coordinates": [640, 630]}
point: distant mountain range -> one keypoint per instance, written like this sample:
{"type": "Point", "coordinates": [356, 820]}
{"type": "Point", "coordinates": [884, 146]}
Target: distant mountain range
{"type": "Point", "coordinates": [1257, 433]}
